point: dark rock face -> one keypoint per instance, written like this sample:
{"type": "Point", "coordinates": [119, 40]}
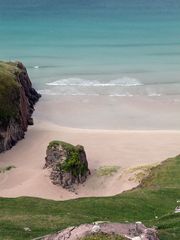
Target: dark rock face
{"type": "Point", "coordinates": [68, 163]}
{"type": "Point", "coordinates": [13, 126]}
{"type": "Point", "coordinates": [134, 231]}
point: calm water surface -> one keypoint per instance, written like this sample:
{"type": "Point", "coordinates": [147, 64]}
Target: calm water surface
{"type": "Point", "coordinates": [80, 47]}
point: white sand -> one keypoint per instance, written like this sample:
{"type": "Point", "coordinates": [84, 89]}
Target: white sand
{"type": "Point", "coordinates": [104, 147]}
{"type": "Point", "coordinates": [102, 112]}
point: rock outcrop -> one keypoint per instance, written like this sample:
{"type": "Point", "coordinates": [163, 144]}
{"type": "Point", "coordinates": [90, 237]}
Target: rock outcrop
{"type": "Point", "coordinates": [136, 231]}
{"type": "Point", "coordinates": [68, 164]}
{"type": "Point", "coordinates": [17, 100]}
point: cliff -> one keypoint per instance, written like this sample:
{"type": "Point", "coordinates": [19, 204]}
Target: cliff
{"type": "Point", "coordinates": [17, 100]}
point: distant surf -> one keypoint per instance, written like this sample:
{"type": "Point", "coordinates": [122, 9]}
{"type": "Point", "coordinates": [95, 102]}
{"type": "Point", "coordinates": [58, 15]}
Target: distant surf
{"type": "Point", "coordinates": [120, 87]}
{"type": "Point", "coordinates": [124, 82]}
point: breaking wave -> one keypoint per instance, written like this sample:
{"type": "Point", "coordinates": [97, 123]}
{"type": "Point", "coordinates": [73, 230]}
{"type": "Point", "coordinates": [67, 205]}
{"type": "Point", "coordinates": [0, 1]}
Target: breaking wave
{"type": "Point", "coordinates": [124, 82]}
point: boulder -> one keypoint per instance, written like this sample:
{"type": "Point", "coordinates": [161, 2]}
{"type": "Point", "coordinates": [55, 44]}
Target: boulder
{"type": "Point", "coordinates": [68, 164]}
{"type": "Point", "coordinates": [126, 231]}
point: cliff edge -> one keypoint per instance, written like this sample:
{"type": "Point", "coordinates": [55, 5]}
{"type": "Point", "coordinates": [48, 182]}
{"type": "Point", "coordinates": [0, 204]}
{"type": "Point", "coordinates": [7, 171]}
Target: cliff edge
{"type": "Point", "coordinates": [17, 100]}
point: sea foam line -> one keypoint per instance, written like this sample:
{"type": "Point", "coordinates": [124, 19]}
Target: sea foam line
{"type": "Point", "coordinates": [50, 92]}
{"type": "Point", "coordinates": [127, 94]}
{"type": "Point", "coordinates": [123, 82]}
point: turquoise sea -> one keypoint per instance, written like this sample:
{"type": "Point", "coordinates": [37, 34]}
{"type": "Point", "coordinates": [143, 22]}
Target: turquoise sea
{"type": "Point", "coordinates": [95, 47]}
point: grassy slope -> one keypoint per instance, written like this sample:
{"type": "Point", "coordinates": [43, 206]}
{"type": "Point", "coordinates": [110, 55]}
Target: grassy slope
{"type": "Point", "coordinates": [157, 196]}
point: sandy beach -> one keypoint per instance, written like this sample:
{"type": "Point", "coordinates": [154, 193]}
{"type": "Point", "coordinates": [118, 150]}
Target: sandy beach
{"type": "Point", "coordinates": [122, 148]}
{"type": "Point", "coordinates": [104, 112]}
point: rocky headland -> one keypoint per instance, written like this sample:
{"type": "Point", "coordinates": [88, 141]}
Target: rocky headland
{"type": "Point", "coordinates": [68, 164]}
{"type": "Point", "coordinates": [17, 100]}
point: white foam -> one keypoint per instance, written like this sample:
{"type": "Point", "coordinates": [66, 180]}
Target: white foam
{"type": "Point", "coordinates": [154, 95]}
{"type": "Point", "coordinates": [51, 92]}
{"type": "Point", "coordinates": [123, 82]}
{"type": "Point", "coordinates": [36, 67]}
{"type": "Point", "coordinates": [121, 95]}
{"type": "Point", "coordinates": [47, 92]}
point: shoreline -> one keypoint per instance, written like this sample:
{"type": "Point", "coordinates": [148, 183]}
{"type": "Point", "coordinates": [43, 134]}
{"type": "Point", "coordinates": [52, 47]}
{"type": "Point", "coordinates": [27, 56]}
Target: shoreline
{"type": "Point", "coordinates": [44, 125]}
{"type": "Point", "coordinates": [105, 113]}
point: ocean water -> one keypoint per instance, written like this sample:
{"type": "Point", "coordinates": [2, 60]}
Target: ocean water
{"type": "Point", "coordinates": [90, 47]}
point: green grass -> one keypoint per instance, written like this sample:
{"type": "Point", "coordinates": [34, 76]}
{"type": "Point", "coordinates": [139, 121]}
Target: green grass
{"type": "Point", "coordinates": [140, 172]}
{"type": "Point", "coordinates": [72, 163]}
{"type": "Point", "coordinates": [9, 91]}
{"type": "Point", "coordinates": [153, 203]}
{"type": "Point", "coordinates": [107, 170]}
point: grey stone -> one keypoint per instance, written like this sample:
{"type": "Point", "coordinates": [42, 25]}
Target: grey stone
{"type": "Point", "coordinates": [76, 233]}
{"type": "Point", "coordinates": [68, 164]}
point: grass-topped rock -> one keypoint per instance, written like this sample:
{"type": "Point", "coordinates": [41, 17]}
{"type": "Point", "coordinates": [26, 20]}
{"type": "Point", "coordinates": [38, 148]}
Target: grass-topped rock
{"type": "Point", "coordinates": [68, 163]}
{"type": "Point", "coordinates": [17, 100]}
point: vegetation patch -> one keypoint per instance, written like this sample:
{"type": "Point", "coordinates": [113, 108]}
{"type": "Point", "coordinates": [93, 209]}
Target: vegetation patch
{"type": "Point", "coordinates": [102, 236]}
{"type": "Point", "coordinates": [9, 91]}
{"type": "Point", "coordinates": [72, 163]}
{"type": "Point", "coordinates": [140, 172]}
{"type": "Point", "coordinates": [56, 144]}
{"type": "Point", "coordinates": [107, 170]}
{"type": "Point", "coordinates": [8, 168]}
{"type": "Point", "coordinates": [146, 168]}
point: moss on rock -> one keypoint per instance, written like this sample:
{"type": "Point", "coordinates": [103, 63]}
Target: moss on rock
{"type": "Point", "coordinates": [9, 91]}
{"type": "Point", "coordinates": [72, 162]}
{"type": "Point", "coordinates": [68, 162]}
{"type": "Point", "coordinates": [107, 170]}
